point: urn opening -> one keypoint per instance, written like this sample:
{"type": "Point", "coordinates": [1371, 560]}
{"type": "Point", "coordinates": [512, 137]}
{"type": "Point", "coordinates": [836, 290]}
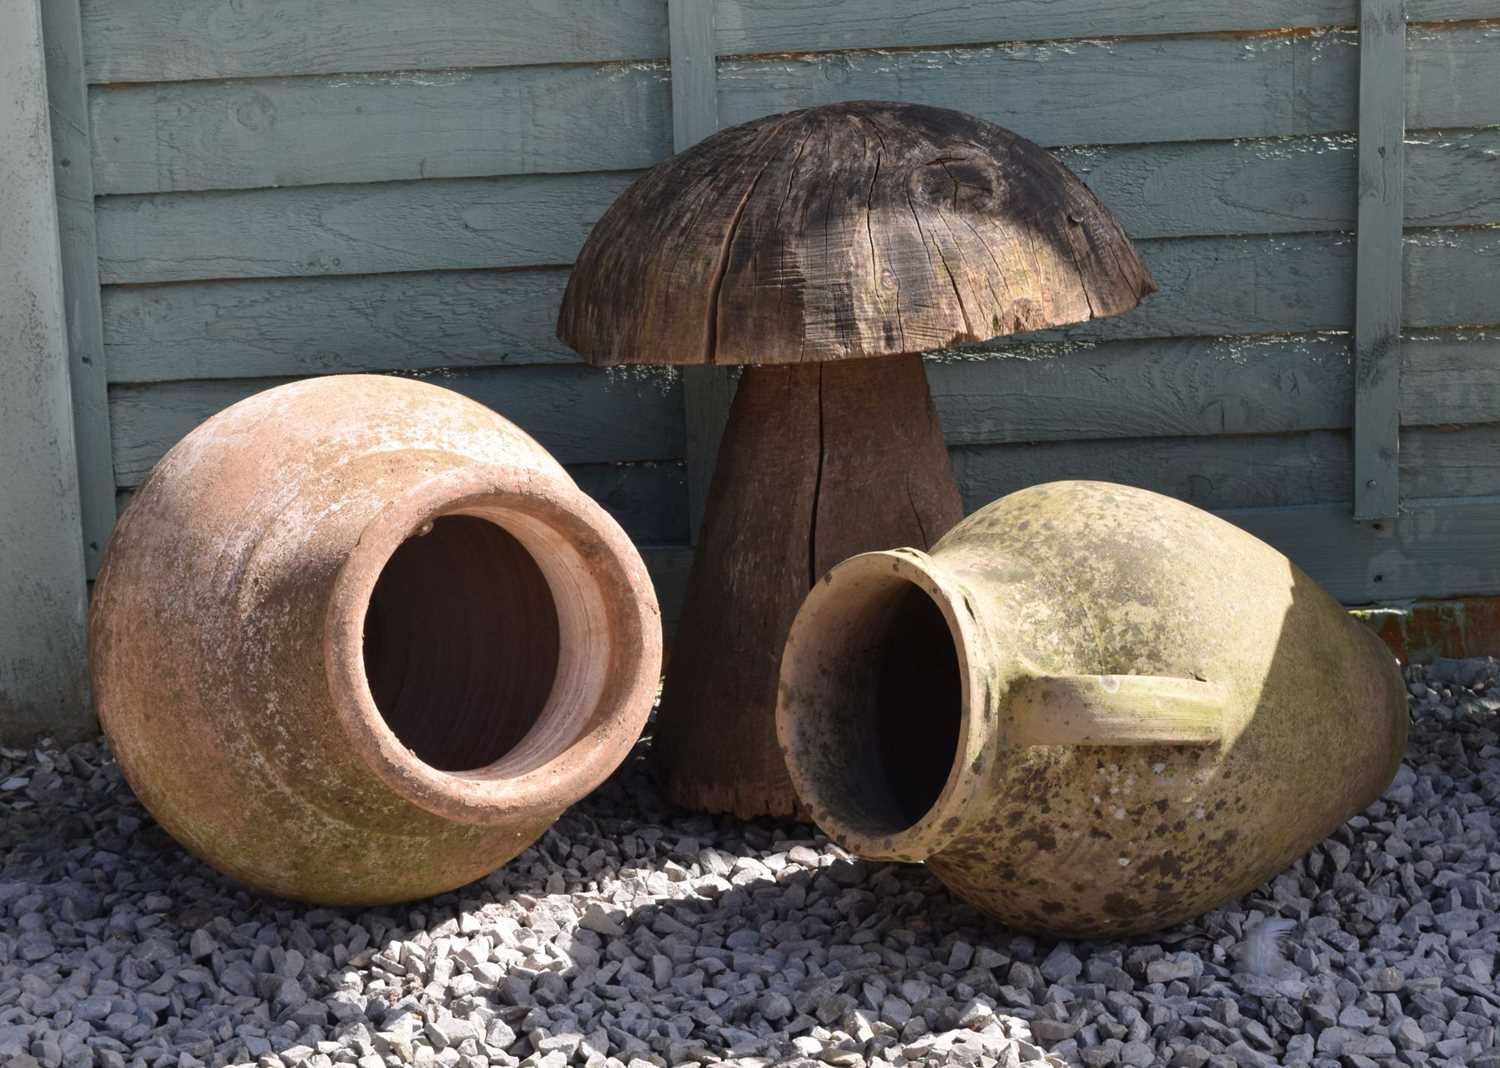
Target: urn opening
{"type": "Point", "coordinates": [461, 643]}
{"type": "Point", "coordinates": [872, 705]}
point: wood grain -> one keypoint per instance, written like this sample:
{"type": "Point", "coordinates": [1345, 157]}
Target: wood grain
{"type": "Point", "coordinates": [577, 413]}
{"type": "Point", "coordinates": [174, 40]}
{"type": "Point", "coordinates": [306, 326]}
{"type": "Point", "coordinates": [845, 232]}
{"type": "Point", "coordinates": [67, 102]}
{"type": "Point", "coordinates": [819, 462]}
{"type": "Point", "coordinates": [1108, 91]}
{"type": "Point", "coordinates": [379, 127]}
{"type": "Point", "coordinates": [1435, 548]}
{"type": "Point", "coordinates": [516, 221]}
{"type": "Point", "coordinates": [1153, 388]}
{"type": "Point", "coordinates": [1378, 268]}
{"type": "Point", "coordinates": [751, 26]}
{"type": "Point", "coordinates": [1179, 189]}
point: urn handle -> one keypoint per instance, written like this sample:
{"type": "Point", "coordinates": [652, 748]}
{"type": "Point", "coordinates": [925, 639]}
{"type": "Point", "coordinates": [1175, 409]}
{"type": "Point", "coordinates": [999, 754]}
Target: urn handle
{"type": "Point", "coordinates": [1117, 710]}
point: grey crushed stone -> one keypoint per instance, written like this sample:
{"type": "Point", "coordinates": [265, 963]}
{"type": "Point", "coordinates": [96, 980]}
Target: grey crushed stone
{"type": "Point", "coordinates": [633, 936]}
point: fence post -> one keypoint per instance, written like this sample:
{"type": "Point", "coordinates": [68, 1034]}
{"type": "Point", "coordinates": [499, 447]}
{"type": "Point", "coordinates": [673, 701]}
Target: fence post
{"type": "Point", "coordinates": [43, 598]}
{"type": "Point", "coordinates": [72, 155]}
{"type": "Point", "coordinates": [706, 391]}
{"type": "Point", "coordinates": [1378, 286]}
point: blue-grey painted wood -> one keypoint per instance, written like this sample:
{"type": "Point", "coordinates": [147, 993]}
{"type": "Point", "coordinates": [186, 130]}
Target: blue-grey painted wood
{"type": "Point", "coordinates": [1271, 384]}
{"type": "Point", "coordinates": [1081, 92]}
{"type": "Point", "coordinates": [1178, 189]}
{"type": "Point", "coordinates": [74, 176]}
{"type": "Point", "coordinates": [1434, 548]}
{"type": "Point", "coordinates": [1140, 89]}
{"type": "Point", "coordinates": [668, 566]}
{"type": "Point", "coordinates": [379, 127]}
{"type": "Point", "coordinates": [43, 686]}
{"type": "Point", "coordinates": [1238, 471]}
{"type": "Point", "coordinates": [757, 26]}
{"type": "Point", "coordinates": [1148, 388]}
{"type": "Point", "coordinates": [707, 392]}
{"type": "Point", "coordinates": [302, 326]}
{"type": "Point", "coordinates": [1225, 471]}
{"type": "Point", "coordinates": [1211, 287]}
{"type": "Point", "coordinates": [649, 500]}
{"type": "Point", "coordinates": [516, 221]}
{"type": "Point", "coordinates": [1450, 377]}
{"type": "Point", "coordinates": [174, 40]}
{"type": "Point", "coordinates": [1379, 282]}
{"type": "Point", "coordinates": [1452, 74]}
{"type": "Point", "coordinates": [580, 414]}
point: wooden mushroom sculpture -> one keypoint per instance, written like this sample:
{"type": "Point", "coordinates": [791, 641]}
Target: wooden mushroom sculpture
{"type": "Point", "coordinates": [827, 249]}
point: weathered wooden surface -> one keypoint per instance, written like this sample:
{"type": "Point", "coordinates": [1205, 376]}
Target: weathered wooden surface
{"type": "Point", "coordinates": [578, 413]}
{"type": "Point", "coordinates": [67, 98]}
{"type": "Point", "coordinates": [383, 127]}
{"type": "Point", "coordinates": [1198, 87]}
{"type": "Point", "coordinates": [1211, 287]}
{"type": "Point", "coordinates": [752, 26]}
{"type": "Point", "coordinates": [1450, 377]}
{"type": "Point", "coordinates": [379, 127]}
{"type": "Point", "coordinates": [307, 326]}
{"type": "Point", "coordinates": [1378, 269]}
{"type": "Point", "coordinates": [1433, 549]}
{"type": "Point", "coordinates": [820, 462]}
{"type": "Point", "coordinates": [1149, 388]}
{"type": "Point", "coordinates": [173, 40]}
{"type": "Point", "coordinates": [1238, 471]}
{"type": "Point", "coordinates": [1181, 189]}
{"type": "Point", "coordinates": [845, 232]}
{"type": "Point", "coordinates": [706, 393]}
{"type": "Point", "coordinates": [43, 685]}
{"type": "Point", "coordinates": [516, 221]}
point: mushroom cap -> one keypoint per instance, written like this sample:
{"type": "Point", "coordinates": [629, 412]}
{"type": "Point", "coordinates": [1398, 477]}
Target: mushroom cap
{"type": "Point", "coordinates": [845, 231]}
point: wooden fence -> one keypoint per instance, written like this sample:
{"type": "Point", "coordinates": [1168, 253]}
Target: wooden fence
{"type": "Point", "coordinates": [261, 189]}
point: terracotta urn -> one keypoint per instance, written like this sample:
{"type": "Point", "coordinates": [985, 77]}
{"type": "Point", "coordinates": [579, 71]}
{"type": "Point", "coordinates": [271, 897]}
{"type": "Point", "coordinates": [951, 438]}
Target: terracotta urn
{"type": "Point", "coordinates": [360, 640]}
{"type": "Point", "coordinates": [1091, 710]}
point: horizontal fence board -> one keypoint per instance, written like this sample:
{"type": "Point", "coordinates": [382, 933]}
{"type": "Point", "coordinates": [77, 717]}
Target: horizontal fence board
{"type": "Point", "coordinates": [1435, 548]}
{"type": "Point", "coordinates": [1153, 388]}
{"type": "Point", "coordinates": [263, 329]}
{"type": "Point", "coordinates": [579, 414]}
{"type": "Point", "coordinates": [1211, 287]}
{"type": "Point", "coordinates": [752, 26]}
{"type": "Point", "coordinates": [1285, 185]}
{"type": "Point", "coordinates": [1177, 189]}
{"type": "Point", "coordinates": [173, 40]}
{"type": "Point", "coordinates": [1450, 277]}
{"type": "Point", "coordinates": [1237, 471]}
{"type": "Point", "coordinates": [668, 566]}
{"type": "Point", "coordinates": [1202, 386]}
{"type": "Point", "coordinates": [1210, 472]}
{"type": "Point", "coordinates": [649, 500]}
{"type": "Point", "coordinates": [1083, 92]}
{"type": "Point", "coordinates": [1450, 377]}
{"type": "Point", "coordinates": [1451, 461]}
{"type": "Point", "coordinates": [1120, 90]}
{"type": "Point", "coordinates": [390, 127]}
{"type": "Point", "coordinates": [517, 221]}
{"type": "Point", "coordinates": [1453, 75]}
{"type": "Point", "coordinates": [379, 127]}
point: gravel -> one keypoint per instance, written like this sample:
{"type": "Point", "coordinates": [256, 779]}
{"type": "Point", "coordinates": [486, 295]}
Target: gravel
{"type": "Point", "coordinates": [632, 935]}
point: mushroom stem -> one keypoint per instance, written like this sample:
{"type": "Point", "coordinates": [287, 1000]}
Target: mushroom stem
{"type": "Point", "coordinates": [819, 462]}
